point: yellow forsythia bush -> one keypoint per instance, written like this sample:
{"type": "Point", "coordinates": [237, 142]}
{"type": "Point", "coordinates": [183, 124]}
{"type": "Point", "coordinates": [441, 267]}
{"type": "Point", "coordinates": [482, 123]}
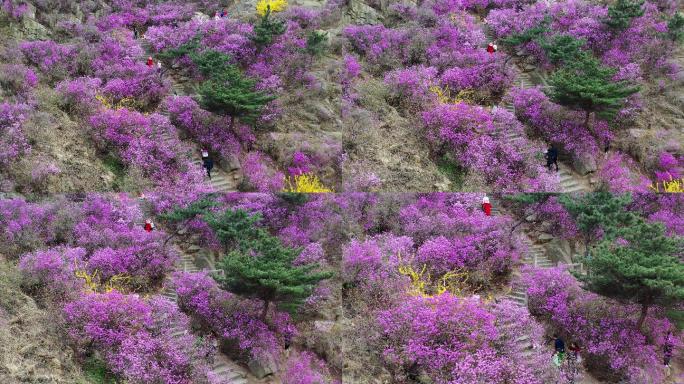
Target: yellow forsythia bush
{"type": "Point", "coordinates": [305, 183]}
{"type": "Point", "coordinates": [669, 186]}
{"type": "Point", "coordinates": [276, 6]}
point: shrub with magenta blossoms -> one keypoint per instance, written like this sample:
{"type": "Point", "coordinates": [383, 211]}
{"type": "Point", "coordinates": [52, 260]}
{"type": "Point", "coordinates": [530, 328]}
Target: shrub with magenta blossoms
{"type": "Point", "coordinates": [230, 317]}
{"type": "Point", "coordinates": [606, 330]}
{"type": "Point", "coordinates": [135, 338]}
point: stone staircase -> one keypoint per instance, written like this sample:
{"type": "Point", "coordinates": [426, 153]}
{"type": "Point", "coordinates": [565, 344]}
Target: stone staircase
{"type": "Point", "coordinates": [224, 369]}
{"type": "Point", "coordinates": [221, 181]}
{"type": "Point", "coordinates": [570, 181]}
{"type": "Point", "coordinates": [536, 256]}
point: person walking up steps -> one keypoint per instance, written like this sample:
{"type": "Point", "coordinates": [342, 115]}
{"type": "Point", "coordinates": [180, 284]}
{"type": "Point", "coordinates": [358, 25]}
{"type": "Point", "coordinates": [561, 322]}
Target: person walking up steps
{"type": "Point", "coordinates": [150, 62]}
{"type": "Point", "coordinates": [491, 47]}
{"type": "Point", "coordinates": [551, 157]}
{"type": "Point", "coordinates": [207, 162]}
{"type": "Point", "coordinates": [486, 206]}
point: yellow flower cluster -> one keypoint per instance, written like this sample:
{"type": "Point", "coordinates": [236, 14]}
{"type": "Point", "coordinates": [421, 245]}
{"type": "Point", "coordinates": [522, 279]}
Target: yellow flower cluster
{"type": "Point", "coordinates": [444, 95]}
{"type": "Point", "coordinates": [669, 186]}
{"type": "Point", "coordinates": [423, 285]}
{"type": "Point", "coordinates": [275, 6]}
{"type": "Point", "coordinates": [305, 183]}
{"type": "Point", "coordinates": [93, 284]}
{"type": "Point", "coordinates": [126, 102]}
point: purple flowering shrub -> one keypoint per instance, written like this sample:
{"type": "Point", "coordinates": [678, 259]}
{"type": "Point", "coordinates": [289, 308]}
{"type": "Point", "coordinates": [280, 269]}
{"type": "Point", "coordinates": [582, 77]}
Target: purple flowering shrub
{"type": "Point", "coordinates": [231, 318]}
{"type": "Point", "coordinates": [468, 132]}
{"type": "Point", "coordinates": [140, 142]}
{"type": "Point", "coordinates": [13, 140]}
{"type": "Point", "coordinates": [411, 86]}
{"type": "Point", "coordinates": [207, 129]}
{"type": "Point", "coordinates": [260, 175]}
{"type": "Point", "coordinates": [449, 338]}
{"type": "Point", "coordinates": [135, 338]}
{"type": "Point", "coordinates": [13, 9]}
{"type": "Point", "coordinates": [50, 274]}
{"type": "Point", "coordinates": [25, 226]}
{"type": "Point", "coordinates": [17, 79]}
{"type": "Point", "coordinates": [667, 209]}
{"type": "Point", "coordinates": [549, 122]}
{"type": "Point", "coordinates": [612, 345]}
{"type": "Point", "coordinates": [305, 368]}
{"type": "Point", "coordinates": [78, 95]}
{"type": "Point", "coordinates": [617, 173]}
{"type": "Point", "coordinates": [53, 59]}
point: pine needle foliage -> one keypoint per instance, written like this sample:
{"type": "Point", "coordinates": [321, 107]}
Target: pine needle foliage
{"type": "Point", "coordinates": [621, 13]}
{"type": "Point", "coordinates": [639, 264]}
{"type": "Point", "coordinates": [585, 84]}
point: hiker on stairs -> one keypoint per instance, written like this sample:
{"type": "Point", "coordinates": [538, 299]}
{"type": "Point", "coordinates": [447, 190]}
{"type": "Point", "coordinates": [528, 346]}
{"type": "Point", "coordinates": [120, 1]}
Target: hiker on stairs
{"type": "Point", "coordinates": [551, 155]}
{"type": "Point", "coordinates": [207, 162]}
{"type": "Point", "coordinates": [150, 62]}
{"type": "Point", "coordinates": [149, 225]}
{"type": "Point", "coordinates": [491, 47]}
{"type": "Point", "coordinates": [486, 206]}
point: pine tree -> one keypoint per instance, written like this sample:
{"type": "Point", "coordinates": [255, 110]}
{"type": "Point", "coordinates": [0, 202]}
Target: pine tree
{"type": "Point", "coordinates": [621, 13]}
{"type": "Point", "coordinates": [675, 27]}
{"type": "Point", "coordinates": [587, 85]}
{"type": "Point", "coordinates": [264, 269]}
{"type": "Point", "coordinates": [639, 264]}
{"type": "Point", "coordinates": [563, 49]}
{"type": "Point", "coordinates": [315, 43]}
{"type": "Point", "coordinates": [535, 33]}
{"type": "Point", "coordinates": [267, 29]}
{"type": "Point", "coordinates": [180, 217]}
{"type": "Point", "coordinates": [234, 228]}
{"type": "Point", "coordinates": [228, 91]}
{"type": "Point", "coordinates": [598, 215]}
{"type": "Point", "coordinates": [185, 49]}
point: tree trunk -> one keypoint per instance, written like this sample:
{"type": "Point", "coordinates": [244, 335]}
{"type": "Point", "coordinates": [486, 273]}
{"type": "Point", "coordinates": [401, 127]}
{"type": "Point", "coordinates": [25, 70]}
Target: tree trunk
{"type": "Point", "coordinates": [586, 120]}
{"type": "Point", "coordinates": [642, 317]}
{"type": "Point", "coordinates": [264, 312]}
{"type": "Point", "coordinates": [232, 123]}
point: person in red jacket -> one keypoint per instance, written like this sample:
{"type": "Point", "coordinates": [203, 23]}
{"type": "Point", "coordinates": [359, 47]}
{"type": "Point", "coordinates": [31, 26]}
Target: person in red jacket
{"type": "Point", "coordinates": [486, 206]}
{"type": "Point", "coordinates": [149, 226]}
{"type": "Point", "coordinates": [150, 62]}
{"type": "Point", "coordinates": [491, 48]}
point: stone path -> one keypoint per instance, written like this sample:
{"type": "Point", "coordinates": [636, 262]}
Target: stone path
{"type": "Point", "coordinates": [226, 370]}
{"type": "Point", "coordinates": [570, 181]}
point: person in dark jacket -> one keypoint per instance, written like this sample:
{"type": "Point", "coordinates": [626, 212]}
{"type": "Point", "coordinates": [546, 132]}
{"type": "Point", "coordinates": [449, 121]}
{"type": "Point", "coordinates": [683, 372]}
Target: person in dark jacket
{"type": "Point", "coordinates": [559, 344]}
{"type": "Point", "coordinates": [207, 163]}
{"type": "Point", "coordinates": [551, 157]}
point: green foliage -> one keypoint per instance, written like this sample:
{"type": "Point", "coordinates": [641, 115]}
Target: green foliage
{"type": "Point", "coordinates": [96, 372]}
{"type": "Point", "coordinates": [267, 29]}
{"type": "Point", "coordinates": [621, 13]}
{"type": "Point", "coordinates": [535, 33]}
{"type": "Point", "coordinates": [118, 168]}
{"type": "Point", "coordinates": [675, 27]}
{"type": "Point", "coordinates": [262, 267]}
{"type": "Point", "coordinates": [293, 198]}
{"type": "Point", "coordinates": [194, 209]}
{"type": "Point", "coordinates": [453, 171]}
{"type": "Point", "coordinates": [599, 212]}
{"type": "Point", "coordinates": [315, 43]}
{"type": "Point", "coordinates": [228, 91]}
{"type": "Point", "coordinates": [563, 49]}
{"type": "Point", "coordinates": [585, 84]}
{"type": "Point", "coordinates": [234, 227]}
{"type": "Point", "coordinates": [185, 49]}
{"type": "Point", "coordinates": [638, 264]}
{"type": "Point", "coordinates": [525, 199]}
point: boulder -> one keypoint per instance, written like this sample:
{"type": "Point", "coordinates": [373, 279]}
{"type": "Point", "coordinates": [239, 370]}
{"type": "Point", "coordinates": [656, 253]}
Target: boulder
{"type": "Point", "coordinates": [361, 13]}
{"type": "Point", "coordinates": [584, 164]}
{"type": "Point", "coordinates": [262, 367]}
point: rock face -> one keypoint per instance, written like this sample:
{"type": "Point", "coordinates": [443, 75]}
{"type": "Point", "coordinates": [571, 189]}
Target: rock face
{"type": "Point", "coordinates": [361, 13]}
{"type": "Point", "coordinates": [263, 367]}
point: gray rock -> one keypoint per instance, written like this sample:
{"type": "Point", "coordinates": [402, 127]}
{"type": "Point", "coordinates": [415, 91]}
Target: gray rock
{"type": "Point", "coordinates": [531, 217]}
{"type": "Point", "coordinates": [584, 164]}
{"type": "Point", "coordinates": [361, 13]}
{"type": "Point", "coordinates": [262, 367]}
{"type": "Point", "coordinates": [545, 237]}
